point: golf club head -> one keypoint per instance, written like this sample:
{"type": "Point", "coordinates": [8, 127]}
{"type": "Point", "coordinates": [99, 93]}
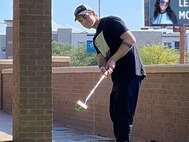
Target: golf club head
{"type": "Point", "coordinates": [80, 106]}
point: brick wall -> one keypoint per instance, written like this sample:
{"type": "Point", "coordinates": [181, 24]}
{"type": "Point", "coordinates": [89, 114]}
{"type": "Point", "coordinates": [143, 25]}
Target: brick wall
{"type": "Point", "coordinates": [32, 97]}
{"type": "Point", "coordinates": [163, 106]}
{"type": "Point", "coordinates": [3, 65]}
{"type": "Point", "coordinates": [73, 85]}
{"type": "Point", "coordinates": [6, 72]}
{"type": "Point", "coordinates": [60, 61]}
{"type": "Point", "coordinates": [162, 110]}
{"type": "Point", "coordinates": [7, 88]}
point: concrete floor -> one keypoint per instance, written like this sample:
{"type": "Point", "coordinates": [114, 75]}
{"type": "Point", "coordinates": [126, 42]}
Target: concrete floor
{"type": "Point", "coordinates": [60, 132]}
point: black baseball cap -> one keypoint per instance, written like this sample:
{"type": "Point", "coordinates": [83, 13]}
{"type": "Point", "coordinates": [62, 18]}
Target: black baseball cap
{"type": "Point", "coordinates": [81, 10]}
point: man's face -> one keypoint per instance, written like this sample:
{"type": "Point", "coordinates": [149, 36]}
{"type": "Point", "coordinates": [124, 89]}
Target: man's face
{"type": "Point", "coordinates": [87, 20]}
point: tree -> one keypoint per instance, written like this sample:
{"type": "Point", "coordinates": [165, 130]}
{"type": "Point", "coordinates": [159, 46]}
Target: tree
{"type": "Point", "coordinates": [187, 57]}
{"type": "Point", "coordinates": [158, 54]}
{"type": "Point", "coordinates": [78, 55]}
{"type": "Point", "coordinates": [152, 54]}
{"type": "Point", "coordinates": [61, 49]}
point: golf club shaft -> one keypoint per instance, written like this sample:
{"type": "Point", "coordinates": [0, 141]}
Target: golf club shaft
{"type": "Point", "coordinates": [100, 80]}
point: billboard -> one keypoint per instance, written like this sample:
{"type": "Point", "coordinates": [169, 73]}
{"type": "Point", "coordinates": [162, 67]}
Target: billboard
{"type": "Point", "coordinates": [166, 12]}
{"type": "Point", "coordinates": [89, 46]}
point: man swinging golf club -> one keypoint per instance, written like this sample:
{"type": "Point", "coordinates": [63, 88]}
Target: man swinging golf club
{"type": "Point", "coordinates": [117, 56]}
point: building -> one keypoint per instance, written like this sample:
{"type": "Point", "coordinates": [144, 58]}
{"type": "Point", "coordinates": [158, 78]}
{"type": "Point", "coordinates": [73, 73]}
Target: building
{"type": "Point", "coordinates": [6, 41]}
{"type": "Point", "coordinates": [171, 40]}
{"type": "Point", "coordinates": [143, 38]}
{"type": "Point", "coordinates": [187, 42]}
{"type": "Point", "coordinates": [79, 38]}
{"type": "Point", "coordinates": [66, 36]}
{"type": "Point", "coordinates": [9, 40]}
{"type": "Point", "coordinates": [147, 38]}
{"type": "Point", "coordinates": [2, 46]}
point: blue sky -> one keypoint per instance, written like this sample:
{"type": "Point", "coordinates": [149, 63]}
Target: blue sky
{"type": "Point", "coordinates": [131, 11]}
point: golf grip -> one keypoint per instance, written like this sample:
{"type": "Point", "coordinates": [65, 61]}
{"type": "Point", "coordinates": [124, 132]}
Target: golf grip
{"type": "Point", "coordinates": [92, 91]}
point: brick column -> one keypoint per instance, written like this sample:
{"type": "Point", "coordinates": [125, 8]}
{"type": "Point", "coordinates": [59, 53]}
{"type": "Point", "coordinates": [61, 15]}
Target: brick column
{"type": "Point", "coordinates": [32, 98]}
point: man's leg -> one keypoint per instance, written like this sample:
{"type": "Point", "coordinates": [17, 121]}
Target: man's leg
{"type": "Point", "coordinates": [121, 132]}
{"type": "Point", "coordinates": [123, 102]}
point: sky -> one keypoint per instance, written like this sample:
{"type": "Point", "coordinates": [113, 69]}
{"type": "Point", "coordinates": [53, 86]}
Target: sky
{"type": "Point", "coordinates": [131, 11]}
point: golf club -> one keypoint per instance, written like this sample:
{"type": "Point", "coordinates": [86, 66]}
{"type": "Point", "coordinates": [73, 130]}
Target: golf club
{"type": "Point", "coordinates": [80, 105]}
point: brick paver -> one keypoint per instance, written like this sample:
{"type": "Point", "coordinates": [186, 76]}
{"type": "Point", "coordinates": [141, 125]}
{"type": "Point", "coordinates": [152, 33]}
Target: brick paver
{"type": "Point", "coordinates": [60, 132]}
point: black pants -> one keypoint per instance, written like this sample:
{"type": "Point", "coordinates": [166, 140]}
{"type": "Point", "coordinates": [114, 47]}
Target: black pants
{"type": "Point", "coordinates": [123, 100]}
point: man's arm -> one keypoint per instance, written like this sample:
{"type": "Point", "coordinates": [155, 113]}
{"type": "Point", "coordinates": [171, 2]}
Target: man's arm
{"type": "Point", "coordinates": [128, 41]}
{"type": "Point", "coordinates": [101, 63]}
{"type": "Point", "coordinates": [127, 44]}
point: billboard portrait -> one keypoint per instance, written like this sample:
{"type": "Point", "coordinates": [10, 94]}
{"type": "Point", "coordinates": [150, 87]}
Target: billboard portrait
{"type": "Point", "coordinates": [166, 12]}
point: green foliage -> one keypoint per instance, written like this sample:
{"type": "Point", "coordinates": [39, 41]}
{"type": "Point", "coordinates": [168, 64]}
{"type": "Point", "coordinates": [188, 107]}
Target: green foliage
{"type": "Point", "coordinates": [152, 54]}
{"type": "Point", "coordinates": [158, 54]}
{"type": "Point", "coordinates": [78, 55]}
{"type": "Point", "coordinates": [187, 57]}
{"type": "Point", "coordinates": [61, 49]}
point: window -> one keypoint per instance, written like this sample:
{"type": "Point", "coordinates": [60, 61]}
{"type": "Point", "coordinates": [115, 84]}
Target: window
{"type": "Point", "coordinates": [168, 44]}
{"type": "Point", "coordinates": [3, 49]}
{"type": "Point", "coordinates": [177, 43]}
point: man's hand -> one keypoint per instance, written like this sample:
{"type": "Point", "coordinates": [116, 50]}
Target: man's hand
{"type": "Point", "coordinates": [110, 65]}
{"type": "Point", "coordinates": [103, 70]}
{"type": "Point", "coordinates": [108, 69]}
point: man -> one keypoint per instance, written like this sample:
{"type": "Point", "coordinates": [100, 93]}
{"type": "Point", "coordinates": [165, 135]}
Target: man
{"type": "Point", "coordinates": [117, 56]}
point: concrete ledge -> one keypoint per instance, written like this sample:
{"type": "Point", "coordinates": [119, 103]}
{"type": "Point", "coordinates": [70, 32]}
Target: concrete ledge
{"type": "Point", "coordinates": [61, 59]}
{"type": "Point", "coordinates": [6, 61]}
{"type": "Point", "coordinates": [149, 69]}
{"type": "Point", "coordinates": [180, 68]}
{"type": "Point", "coordinates": [63, 69]}
{"type": "Point", "coordinates": [4, 137]}
{"type": "Point", "coordinates": [75, 69]}
{"type": "Point", "coordinates": [7, 71]}
{"type": "Point", "coordinates": [54, 59]}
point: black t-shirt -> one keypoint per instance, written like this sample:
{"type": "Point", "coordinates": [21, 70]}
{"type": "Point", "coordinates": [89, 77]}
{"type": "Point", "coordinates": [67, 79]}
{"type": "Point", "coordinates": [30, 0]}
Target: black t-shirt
{"type": "Point", "coordinates": [107, 41]}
